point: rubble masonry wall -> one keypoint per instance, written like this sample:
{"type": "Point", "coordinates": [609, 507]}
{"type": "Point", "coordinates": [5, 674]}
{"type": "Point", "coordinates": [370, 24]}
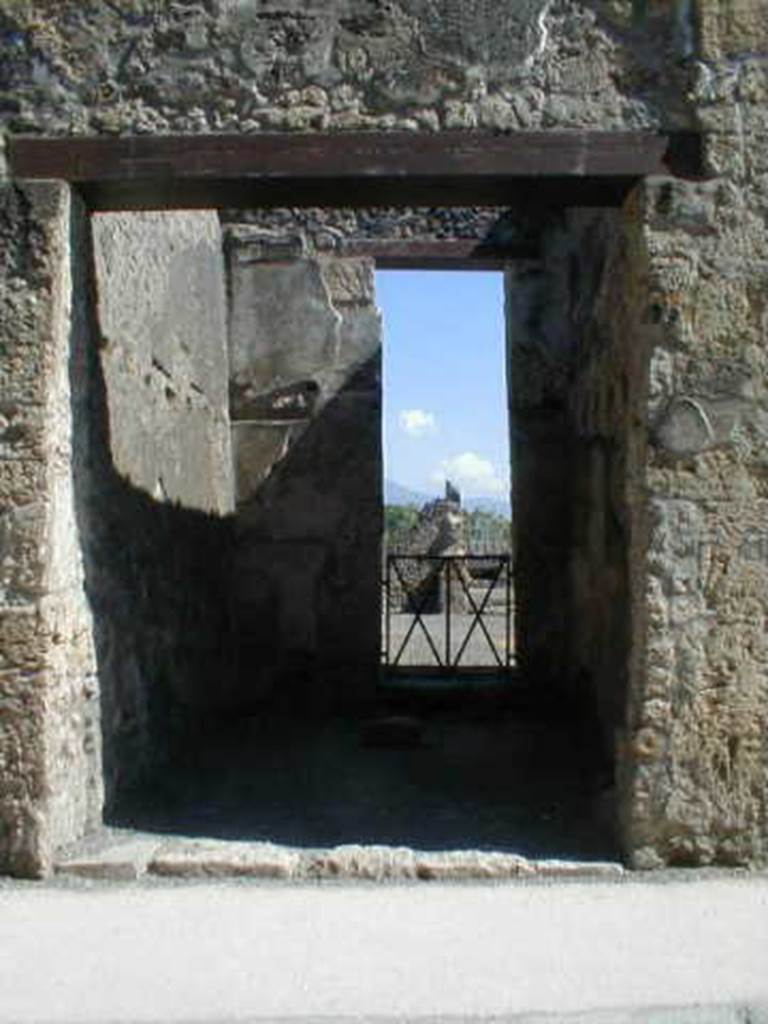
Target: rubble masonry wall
{"type": "Point", "coordinates": [50, 738]}
{"type": "Point", "coordinates": [694, 757]}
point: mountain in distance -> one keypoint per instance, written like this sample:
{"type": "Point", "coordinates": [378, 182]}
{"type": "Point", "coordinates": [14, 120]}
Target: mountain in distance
{"type": "Point", "coordinates": [496, 506]}
{"type": "Point", "coordinates": [396, 494]}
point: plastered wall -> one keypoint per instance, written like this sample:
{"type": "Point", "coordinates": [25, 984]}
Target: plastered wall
{"type": "Point", "coordinates": [153, 480]}
{"type": "Point", "coordinates": [305, 387]}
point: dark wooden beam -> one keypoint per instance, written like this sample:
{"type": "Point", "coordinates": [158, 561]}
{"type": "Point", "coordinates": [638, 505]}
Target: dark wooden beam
{"type": "Point", "coordinates": [354, 168]}
{"type": "Point", "coordinates": [438, 254]}
{"type": "Point", "coordinates": [161, 194]}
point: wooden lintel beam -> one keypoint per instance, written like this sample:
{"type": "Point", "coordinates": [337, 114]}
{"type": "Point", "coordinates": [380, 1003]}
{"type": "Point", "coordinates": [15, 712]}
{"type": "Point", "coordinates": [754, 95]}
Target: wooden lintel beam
{"type": "Point", "coordinates": [437, 254]}
{"type": "Point", "coordinates": [364, 168]}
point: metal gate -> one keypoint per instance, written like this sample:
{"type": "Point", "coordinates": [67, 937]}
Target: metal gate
{"type": "Point", "coordinates": [448, 613]}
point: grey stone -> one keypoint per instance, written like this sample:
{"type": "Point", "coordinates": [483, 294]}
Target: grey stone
{"type": "Point", "coordinates": [253, 245]}
{"type": "Point", "coordinates": [308, 491]}
{"type": "Point", "coordinates": [418, 584]}
{"type": "Point", "coordinates": [576, 869]}
{"type": "Point", "coordinates": [256, 448]}
{"type": "Point", "coordinates": [282, 325]}
{"type": "Point", "coordinates": [639, 577]}
{"type": "Point", "coordinates": [120, 858]}
{"type": "Point", "coordinates": [466, 865]}
{"type": "Point", "coordinates": [414, 66]}
{"type": "Point", "coordinates": [153, 479]}
{"type": "Point", "coordinates": [50, 767]}
{"type": "Point", "coordinates": [124, 862]}
{"type": "Point", "coordinates": [200, 859]}
{"type": "Point", "coordinates": [293, 402]}
{"type": "Point", "coordinates": [349, 281]}
{"type": "Point", "coordinates": [685, 428]}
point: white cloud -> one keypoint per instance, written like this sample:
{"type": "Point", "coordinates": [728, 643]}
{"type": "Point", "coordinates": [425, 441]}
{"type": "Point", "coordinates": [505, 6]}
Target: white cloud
{"type": "Point", "coordinates": [471, 473]}
{"type": "Point", "coordinates": [417, 422]}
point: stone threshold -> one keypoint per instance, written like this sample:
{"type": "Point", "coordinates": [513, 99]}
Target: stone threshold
{"type": "Point", "coordinates": [122, 858]}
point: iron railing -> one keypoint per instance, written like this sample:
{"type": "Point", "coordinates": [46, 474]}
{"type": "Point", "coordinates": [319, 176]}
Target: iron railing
{"type": "Point", "coordinates": [447, 600]}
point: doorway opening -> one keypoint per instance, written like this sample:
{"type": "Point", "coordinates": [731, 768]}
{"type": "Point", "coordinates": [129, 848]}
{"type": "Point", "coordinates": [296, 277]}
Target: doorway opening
{"type": "Point", "coordinates": [254, 709]}
{"type": "Point", "coordinates": [447, 572]}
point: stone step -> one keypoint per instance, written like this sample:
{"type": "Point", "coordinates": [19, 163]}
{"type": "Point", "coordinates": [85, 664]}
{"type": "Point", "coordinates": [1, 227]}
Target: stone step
{"type": "Point", "coordinates": [127, 856]}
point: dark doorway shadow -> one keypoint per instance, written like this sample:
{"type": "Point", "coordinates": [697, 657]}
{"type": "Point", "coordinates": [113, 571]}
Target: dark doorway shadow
{"type": "Point", "coordinates": [488, 775]}
{"type": "Point", "coordinates": [484, 774]}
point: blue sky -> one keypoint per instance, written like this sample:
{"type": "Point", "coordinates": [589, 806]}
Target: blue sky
{"type": "Point", "coordinates": [444, 380]}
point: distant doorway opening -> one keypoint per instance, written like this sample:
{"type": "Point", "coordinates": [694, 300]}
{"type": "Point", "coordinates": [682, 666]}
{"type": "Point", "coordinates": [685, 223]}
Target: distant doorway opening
{"type": "Point", "coordinates": [447, 601]}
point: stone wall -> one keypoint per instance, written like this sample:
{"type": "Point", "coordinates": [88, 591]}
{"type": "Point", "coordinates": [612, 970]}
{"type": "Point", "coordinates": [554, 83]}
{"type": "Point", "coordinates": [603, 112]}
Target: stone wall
{"type": "Point", "coordinates": [696, 785]}
{"type": "Point", "coordinates": [606, 406]}
{"type": "Point", "coordinates": [153, 480]}
{"type": "Point", "coordinates": [346, 230]}
{"type": "Point", "coordinates": [50, 767]}
{"type": "Point", "coordinates": [569, 387]}
{"type": "Point", "coordinates": [286, 65]}
{"type": "Point", "coordinates": [163, 322]}
{"type": "Point", "coordinates": [656, 586]}
{"type": "Point", "coordinates": [698, 750]}
{"type": "Point", "coordinates": [305, 387]}
{"type": "Point", "coordinates": [421, 586]}
{"type": "Point", "coordinates": [687, 296]}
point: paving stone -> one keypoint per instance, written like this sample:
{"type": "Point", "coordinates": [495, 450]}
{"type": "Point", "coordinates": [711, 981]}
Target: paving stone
{"type": "Point", "coordinates": [125, 861]}
{"type": "Point", "coordinates": [205, 859]}
{"type": "Point", "coordinates": [578, 869]}
{"type": "Point", "coordinates": [372, 863]}
{"type": "Point", "coordinates": [464, 865]}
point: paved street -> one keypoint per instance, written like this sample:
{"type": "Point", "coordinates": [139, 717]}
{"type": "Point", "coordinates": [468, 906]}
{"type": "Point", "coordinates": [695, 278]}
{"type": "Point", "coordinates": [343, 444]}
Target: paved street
{"type": "Point", "coordinates": [238, 952]}
{"type": "Point", "coordinates": [469, 645]}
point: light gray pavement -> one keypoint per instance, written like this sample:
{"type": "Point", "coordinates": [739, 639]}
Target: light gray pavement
{"type": "Point", "coordinates": [477, 652]}
{"type": "Point", "coordinates": [237, 952]}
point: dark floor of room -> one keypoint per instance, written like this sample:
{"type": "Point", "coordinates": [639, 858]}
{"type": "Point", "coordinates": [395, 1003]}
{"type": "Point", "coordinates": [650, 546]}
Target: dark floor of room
{"type": "Point", "coordinates": [428, 770]}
